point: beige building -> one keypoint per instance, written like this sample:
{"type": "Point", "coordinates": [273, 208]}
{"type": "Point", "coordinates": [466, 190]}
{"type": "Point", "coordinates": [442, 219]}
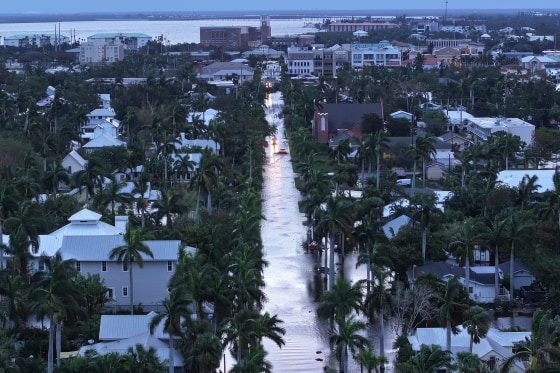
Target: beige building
{"type": "Point", "coordinates": [92, 52]}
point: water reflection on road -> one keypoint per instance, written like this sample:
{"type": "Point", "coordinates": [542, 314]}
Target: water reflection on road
{"type": "Point", "coordinates": [293, 284]}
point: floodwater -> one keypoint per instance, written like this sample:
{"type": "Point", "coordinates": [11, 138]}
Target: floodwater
{"type": "Point", "coordinates": [293, 283]}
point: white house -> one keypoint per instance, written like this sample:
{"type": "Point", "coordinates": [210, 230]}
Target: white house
{"type": "Point", "coordinates": [118, 333]}
{"type": "Point", "coordinates": [482, 128]}
{"type": "Point", "coordinates": [403, 114]}
{"type": "Point", "coordinates": [102, 141]}
{"type": "Point", "coordinates": [492, 350]}
{"type": "Point", "coordinates": [481, 279]}
{"type": "Point", "coordinates": [73, 162]}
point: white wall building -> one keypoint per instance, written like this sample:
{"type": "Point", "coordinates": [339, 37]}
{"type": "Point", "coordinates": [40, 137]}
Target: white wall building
{"type": "Point", "coordinates": [96, 53]}
{"type": "Point", "coordinates": [130, 40]}
{"type": "Point", "coordinates": [482, 128]}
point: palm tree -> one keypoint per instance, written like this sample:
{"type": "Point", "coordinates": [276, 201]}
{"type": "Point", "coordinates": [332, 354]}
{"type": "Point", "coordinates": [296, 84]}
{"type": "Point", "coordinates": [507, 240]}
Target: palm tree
{"type": "Point", "coordinates": [112, 194]}
{"type": "Point", "coordinates": [12, 292]}
{"type": "Point", "coordinates": [335, 219]}
{"type": "Point", "coordinates": [379, 300]}
{"type": "Point", "coordinates": [518, 228]}
{"type": "Point", "coordinates": [424, 207]}
{"type": "Point", "coordinates": [183, 165]}
{"type": "Point", "coordinates": [469, 233]}
{"type": "Point", "coordinates": [91, 177]}
{"type": "Point", "coordinates": [496, 235]}
{"type": "Point", "coordinates": [170, 203]}
{"type": "Point", "coordinates": [423, 150]}
{"type": "Point", "coordinates": [506, 144]}
{"type": "Point", "coordinates": [450, 299]}
{"type": "Point", "coordinates": [55, 174]}
{"type": "Point", "coordinates": [9, 202]}
{"type": "Point", "coordinates": [174, 308]}
{"type": "Point", "coordinates": [467, 362]}
{"type": "Point", "coordinates": [527, 191]}
{"type": "Point", "coordinates": [54, 293]}
{"type": "Point", "coordinates": [379, 142]}
{"type": "Point", "coordinates": [254, 362]}
{"type": "Point", "coordinates": [132, 251]}
{"type": "Point", "coordinates": [166, 146]}
{"type": "Point", "coordinates": [338, 302]}
{"type": "Point", "coordinates": [429, 359]}
{"type": "Point", "coordinates": [347, 338]}
{"type": "Point", "coordinates": [369, 360]}
{"type": "Point", "coordinates": [25, 223]}
{"type": "Point", "coordinates": [206, 176]}
{"type": "Point", "coordinates": [541, 350]}
{"type": "Point", "coordinates": [477, 324]}
{"type": "Point", "coordinates": [142, 360]}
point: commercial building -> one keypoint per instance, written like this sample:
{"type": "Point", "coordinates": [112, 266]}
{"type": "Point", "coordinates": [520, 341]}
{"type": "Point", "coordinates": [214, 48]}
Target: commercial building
{"type": "Point", "coordinates": [34, 40]}
{"type": "Point", "coordinates": [129, 40]}
{"type": "Point", "coordinates": [482, 128]}
{"type": "Point", "coordinates": [361, 26]}
{"type": "Point", "coordinates": [236, 36]}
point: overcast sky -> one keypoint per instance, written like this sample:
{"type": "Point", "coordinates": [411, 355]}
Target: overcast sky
{"type": "Point", "coordinates": [81, 6]}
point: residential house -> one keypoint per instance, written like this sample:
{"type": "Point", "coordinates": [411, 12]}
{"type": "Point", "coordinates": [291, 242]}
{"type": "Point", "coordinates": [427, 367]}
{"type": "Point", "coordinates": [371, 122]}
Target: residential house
{"type": "Point", "coordinates": [458, 118]}
{"type": "Point", "coordinates": [102, 141]}
{"type": "Point", "coordinates": [521, 274]}
{"type": "Point", "coordinates": [455, 141]}
{"type": "Point", "coordinates": [118, 333]}
{"type": "Point", "coordinates": [332, 120]}
{"type": "Point", "coordinates": [493, 350]}
{"type": "Point", "coordinates": [403, 114]}
{"type": "Point", "coordinates": [514, 70]}
{"type": "Point", "coordinates": [101, 121]}
{"type": "Point", "coordinates": [73, 162]}
{"type": "Point", "coordinates": [481, 282]}
{"type": "Point", "coordinates": [91, 254]}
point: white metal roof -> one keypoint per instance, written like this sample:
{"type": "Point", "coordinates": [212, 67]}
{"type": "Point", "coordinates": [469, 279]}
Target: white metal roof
{"type": "Point", "coordinates": [97, 248]}
{"type": "Point", "coordinates": [512, 178]}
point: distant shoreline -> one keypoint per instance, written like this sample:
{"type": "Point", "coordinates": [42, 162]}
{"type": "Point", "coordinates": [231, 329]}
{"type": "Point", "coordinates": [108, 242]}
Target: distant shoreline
{"type": "Point", "coordinates": [185, 16]}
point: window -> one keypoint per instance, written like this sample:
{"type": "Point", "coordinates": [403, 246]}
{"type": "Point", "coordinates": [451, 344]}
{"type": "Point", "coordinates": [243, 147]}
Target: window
{"type": "Point", "coordinates": [41, 265]}
{"type": "Point", "coordinates": [111, 293]}
{"type": "Point", "coordinates": [169, 266]}
{"type": "Point", "coordinates": [125, 266]}
{"type": "Point", "coordinates": [78, 266]}
{"type": "Point", "coordinates": [103, 266]}
{"type": "Point", "coordinates": [470, 289]}
{"type": "Point", "coordinates": [492, 363]}
{"type": "Point", "coordinates": [125, 291]}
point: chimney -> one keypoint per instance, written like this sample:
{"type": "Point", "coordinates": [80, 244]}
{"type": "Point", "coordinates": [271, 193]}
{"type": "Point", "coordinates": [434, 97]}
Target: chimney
{"type": "Point", "coordinates": [121, 222]}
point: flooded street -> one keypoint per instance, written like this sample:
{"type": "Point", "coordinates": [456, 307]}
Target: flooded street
{"type": "Point", "coordinates": [293, 284]}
